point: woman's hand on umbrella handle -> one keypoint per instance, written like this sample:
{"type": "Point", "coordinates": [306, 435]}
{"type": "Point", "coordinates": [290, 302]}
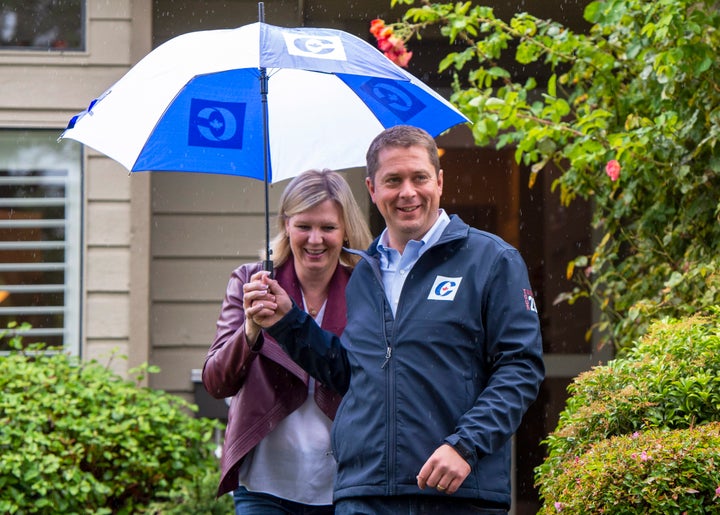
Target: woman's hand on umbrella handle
{"type": "Point", "coordinates": [254, 291]}
{"type": "Point", "coordinates": [265, 301]}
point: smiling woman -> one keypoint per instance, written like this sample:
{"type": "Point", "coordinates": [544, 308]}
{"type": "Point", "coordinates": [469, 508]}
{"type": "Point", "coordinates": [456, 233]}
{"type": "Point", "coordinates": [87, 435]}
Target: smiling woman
{"type": "Point", "coordinates": [278, 431]}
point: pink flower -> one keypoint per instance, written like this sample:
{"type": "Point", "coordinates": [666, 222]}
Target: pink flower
{"type": "Point", "coordinates": [558, 506]}
{"type": "Point", "coordinates": [717, 492]}
{"type": "Point", "coordinates": [401, 59]}
{"type": "Point", "coordinates": [635, 435]}
{"type": "Point", "coordinates": [644, 456]}
{"type": "Point", "coordinates": [612, 169]}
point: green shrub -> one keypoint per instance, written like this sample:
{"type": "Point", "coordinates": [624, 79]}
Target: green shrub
{"type": "Point", "coordinates": [658, 472]}
{"type": "Point", "coordinates": [77, 438]}
{"type": "Point", "coordinates": [669, 381]}
{"type": "Point", "coordinates": [194, 496]}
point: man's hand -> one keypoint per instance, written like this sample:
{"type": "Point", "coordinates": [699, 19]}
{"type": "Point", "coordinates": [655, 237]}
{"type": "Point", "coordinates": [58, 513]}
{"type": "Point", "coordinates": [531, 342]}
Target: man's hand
{"type": "Point", "coordinates": [264, 302]}
{"type": "Point", "coordinates": [445, 470]}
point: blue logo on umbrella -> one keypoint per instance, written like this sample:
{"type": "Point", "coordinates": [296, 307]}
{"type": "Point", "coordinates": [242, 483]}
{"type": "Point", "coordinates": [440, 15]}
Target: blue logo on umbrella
{"type": "Point", "coordinates": [216, 124]}
{"type": "Point", "coordinates": [394, 97]}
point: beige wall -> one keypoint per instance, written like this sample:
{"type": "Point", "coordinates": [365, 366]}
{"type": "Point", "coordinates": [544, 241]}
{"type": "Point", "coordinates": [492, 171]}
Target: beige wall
{"type": "Point", "coordinates": [117, 204]}
{"type": "Point", "coordinates": [43, 90]}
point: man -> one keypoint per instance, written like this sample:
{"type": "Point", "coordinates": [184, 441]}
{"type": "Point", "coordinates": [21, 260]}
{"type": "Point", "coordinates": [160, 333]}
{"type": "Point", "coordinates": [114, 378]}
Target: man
{"type": "Point", "coordinates": [441, 355]}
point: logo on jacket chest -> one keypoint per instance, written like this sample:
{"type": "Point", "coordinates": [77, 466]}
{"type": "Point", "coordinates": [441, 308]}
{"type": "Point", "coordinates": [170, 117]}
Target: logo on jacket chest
{"type": "Point", "coordinates": [444, 288]}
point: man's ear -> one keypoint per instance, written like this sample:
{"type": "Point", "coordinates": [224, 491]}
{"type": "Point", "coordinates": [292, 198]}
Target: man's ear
{"type": "Point", "coordinates": [370, 187]}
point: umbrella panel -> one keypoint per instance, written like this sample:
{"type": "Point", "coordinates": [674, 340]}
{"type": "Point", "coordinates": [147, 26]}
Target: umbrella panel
{"type": "Point", "coordinates": [214, 124]}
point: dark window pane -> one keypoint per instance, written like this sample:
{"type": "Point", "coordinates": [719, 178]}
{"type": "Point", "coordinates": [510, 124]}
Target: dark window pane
{"type": "Point", "coordinates": [42, 24]}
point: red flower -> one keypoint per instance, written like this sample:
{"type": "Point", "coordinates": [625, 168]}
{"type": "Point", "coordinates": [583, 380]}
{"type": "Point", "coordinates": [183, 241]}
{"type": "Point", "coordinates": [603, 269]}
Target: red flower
{"type": "Point", "coordinates": [612, 169]}
{"type": "Point", "coordinates": [389, 44]}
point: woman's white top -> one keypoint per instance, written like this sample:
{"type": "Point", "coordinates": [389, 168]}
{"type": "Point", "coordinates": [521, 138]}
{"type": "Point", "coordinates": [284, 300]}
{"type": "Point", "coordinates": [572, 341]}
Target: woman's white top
{"type": "Point", "coordinates": [294, 461]}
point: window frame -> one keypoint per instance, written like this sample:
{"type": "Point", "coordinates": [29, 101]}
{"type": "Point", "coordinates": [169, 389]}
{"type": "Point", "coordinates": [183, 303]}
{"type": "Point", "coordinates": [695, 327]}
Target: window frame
{"type": "Point", "coordinates": [67, 155]}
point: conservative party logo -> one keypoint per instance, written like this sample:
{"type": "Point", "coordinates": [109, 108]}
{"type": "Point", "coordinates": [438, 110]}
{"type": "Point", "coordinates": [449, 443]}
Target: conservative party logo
{"type": "Point", "coordinates": [216, 124]}
{"type": "Point", "coordinates": [394, 97]}
{"type": "Point", "coordinates": [320, 47]}
{"type": "Point", "coordinates": [444, 288]}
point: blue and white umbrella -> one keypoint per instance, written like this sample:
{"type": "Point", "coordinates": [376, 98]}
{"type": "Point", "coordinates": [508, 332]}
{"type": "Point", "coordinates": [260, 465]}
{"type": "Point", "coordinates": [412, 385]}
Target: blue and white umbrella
{"type": "Point", "coordinates": [257, 101]}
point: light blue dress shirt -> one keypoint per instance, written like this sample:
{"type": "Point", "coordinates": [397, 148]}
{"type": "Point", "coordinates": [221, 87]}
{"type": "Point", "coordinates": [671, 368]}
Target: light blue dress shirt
{"type": "Point", "coordinates": [395, 266]}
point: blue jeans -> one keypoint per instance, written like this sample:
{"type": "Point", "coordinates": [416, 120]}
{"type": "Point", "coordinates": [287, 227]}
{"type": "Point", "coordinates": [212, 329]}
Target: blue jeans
{"type": "Point", "coordinates": [413, 505]}
{"type": "Point", "coordinates": [256, 503]}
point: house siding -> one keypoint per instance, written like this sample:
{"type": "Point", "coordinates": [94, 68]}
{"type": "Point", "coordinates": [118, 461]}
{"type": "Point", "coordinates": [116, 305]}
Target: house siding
{"type": "Point", "coordinates": [42, 90]}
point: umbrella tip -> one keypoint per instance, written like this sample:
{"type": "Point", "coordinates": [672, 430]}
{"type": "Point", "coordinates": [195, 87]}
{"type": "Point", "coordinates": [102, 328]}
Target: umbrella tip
{"type": "Point", "coordinates": [261, 12]}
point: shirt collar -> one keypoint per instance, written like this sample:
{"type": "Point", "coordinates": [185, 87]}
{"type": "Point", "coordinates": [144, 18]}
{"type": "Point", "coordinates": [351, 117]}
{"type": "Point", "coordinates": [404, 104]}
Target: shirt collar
{"type": "Point", "coordinates": [430, 237]}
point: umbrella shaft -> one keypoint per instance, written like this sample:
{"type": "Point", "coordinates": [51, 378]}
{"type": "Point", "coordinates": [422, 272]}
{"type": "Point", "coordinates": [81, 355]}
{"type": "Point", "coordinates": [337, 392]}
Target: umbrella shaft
{"type": "Point", "coordinates": [263, 98]}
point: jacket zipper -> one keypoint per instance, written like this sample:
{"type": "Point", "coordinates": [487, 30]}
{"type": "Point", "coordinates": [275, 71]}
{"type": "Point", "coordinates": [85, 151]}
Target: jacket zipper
{"type": "Point", "coordinates": [388, 355]}
{"type": "Point", "coordinates": [389, 402]}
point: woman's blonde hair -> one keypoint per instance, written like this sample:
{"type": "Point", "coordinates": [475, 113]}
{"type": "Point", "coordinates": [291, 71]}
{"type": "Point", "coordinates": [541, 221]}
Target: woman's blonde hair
{"type": "Point", "coordinates": [309, 189]}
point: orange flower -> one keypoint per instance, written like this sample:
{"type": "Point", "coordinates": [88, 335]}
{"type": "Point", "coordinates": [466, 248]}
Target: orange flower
{"type": "Point", "coordinates": [389, 44]}
{"type": "Point", "coordinates": [376, 26]}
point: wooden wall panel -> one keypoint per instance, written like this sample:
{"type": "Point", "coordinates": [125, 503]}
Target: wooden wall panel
{"type": "Point", "coordinates": [207, 235]}
{"type": "Point", "coordinates": [110, 42]}
{"type": "Point", "coordinates": [107, 179]}
{"type": "Point", "coordinates": [107, 316]}
{"type": "Point", "coordinates": [108, 270]}
{"type": "Point", "coordinates": [108, 223]}
{"type": "Point", "coordinates": [210, 193]}
{"type": "Point", "coordinates": [171, 327]}
{"type": "Point", "coordinates": [187, 280]}
{"type": "Point", "coordinates": [176, 365]}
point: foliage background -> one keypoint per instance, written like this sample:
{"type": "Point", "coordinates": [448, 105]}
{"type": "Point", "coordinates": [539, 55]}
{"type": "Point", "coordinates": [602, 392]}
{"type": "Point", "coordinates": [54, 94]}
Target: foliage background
{"type": "Point", "coordinates": [640, 89]}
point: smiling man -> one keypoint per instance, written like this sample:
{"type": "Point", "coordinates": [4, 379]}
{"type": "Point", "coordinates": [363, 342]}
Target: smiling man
{"type": "Point", "coordinates": [405, 185]}
{"type": "Point", "coordinates": [441, 355]}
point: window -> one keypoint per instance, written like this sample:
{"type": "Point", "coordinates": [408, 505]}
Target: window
{"type": "Point", "coordinates": [40, 228]}
{"type": "Point", "coordinates": [42, 24]}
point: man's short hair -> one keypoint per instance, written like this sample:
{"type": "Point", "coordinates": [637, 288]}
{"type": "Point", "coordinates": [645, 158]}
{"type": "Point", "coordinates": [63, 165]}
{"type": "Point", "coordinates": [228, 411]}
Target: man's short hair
{"type": "Point", "coordinates": [403, 136]}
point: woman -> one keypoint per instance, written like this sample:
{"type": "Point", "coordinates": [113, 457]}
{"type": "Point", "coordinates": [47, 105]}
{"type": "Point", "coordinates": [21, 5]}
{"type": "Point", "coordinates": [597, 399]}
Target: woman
{"type": "Point", "coordinates": [276, 454]}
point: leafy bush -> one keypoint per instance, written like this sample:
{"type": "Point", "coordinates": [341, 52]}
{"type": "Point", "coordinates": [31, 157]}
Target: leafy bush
{"type": "Point", "coordinates": [658, 472]}
{"type": "Point", "coordinates": [629, 112]}
{"type": "Point", "coordinates": [669, 381]}
{"type": "Point", "coordinates": [77, 438]}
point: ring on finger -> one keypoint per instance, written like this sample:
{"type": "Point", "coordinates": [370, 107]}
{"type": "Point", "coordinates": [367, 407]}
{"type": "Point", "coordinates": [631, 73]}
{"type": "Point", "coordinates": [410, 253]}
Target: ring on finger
{"type": "Point", "coordinates": [440, 488]}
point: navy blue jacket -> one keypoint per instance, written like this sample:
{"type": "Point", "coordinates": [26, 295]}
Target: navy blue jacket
{"type": "Point", "coordinates": [459, 363]}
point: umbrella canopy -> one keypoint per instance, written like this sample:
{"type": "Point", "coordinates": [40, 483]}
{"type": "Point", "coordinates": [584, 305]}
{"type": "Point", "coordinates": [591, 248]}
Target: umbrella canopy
{"type": "Point", "coordinates": [195, 104]}
{"type": "Point", "coordinates": [258, 101]}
